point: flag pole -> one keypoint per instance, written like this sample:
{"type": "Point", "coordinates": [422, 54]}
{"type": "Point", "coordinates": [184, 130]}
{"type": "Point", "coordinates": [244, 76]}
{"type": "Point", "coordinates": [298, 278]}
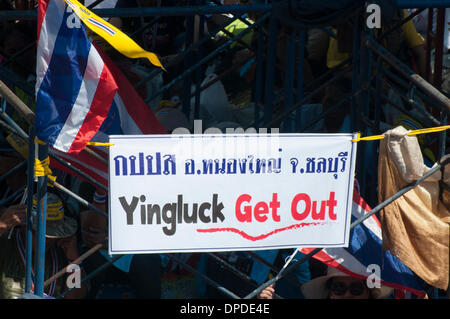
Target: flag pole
{"type": "Point", "coordinates": [41, 224]}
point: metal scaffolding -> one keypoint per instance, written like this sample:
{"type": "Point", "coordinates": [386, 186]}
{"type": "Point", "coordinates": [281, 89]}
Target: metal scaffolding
{"type": "Point", "coordinates": [370, 65]}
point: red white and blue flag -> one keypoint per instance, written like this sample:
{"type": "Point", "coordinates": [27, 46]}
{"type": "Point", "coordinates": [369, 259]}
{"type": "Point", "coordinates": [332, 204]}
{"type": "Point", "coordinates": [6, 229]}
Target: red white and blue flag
{"type": "Point", "coordinates": [74, 88]}
{"type": "Point", "coordinates": [128, 114]}
{"type": "Point", "coordinates": [81, 94]}
{"type": "Point", "coordinates": [365, 249]}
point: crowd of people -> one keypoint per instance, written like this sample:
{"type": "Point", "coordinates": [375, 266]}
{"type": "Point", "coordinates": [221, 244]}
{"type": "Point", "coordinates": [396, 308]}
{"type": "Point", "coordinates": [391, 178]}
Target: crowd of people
{"type": "Point", "coordinates": [227, 101]}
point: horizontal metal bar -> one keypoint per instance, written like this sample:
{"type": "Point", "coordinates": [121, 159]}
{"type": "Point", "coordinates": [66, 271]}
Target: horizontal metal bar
{"type": "Point", "coordinates": [423, 3]}
{"type": "Point", "coordinates": [200, 10]}
{"type": "Point", "coordinates": [151, 11]}
{"type": "Point", "coordinates": [183, 11]}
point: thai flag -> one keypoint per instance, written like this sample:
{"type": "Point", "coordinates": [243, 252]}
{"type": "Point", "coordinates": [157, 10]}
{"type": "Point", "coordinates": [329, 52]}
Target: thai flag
{"type": "Point", "coordinates": [126, 112]}
{"type": "Point", "coordinates": [365, 249]}
{"type": "Point", "coordinates": [128, 115]}
{"type": "Point", "coordinates": [74, 88]}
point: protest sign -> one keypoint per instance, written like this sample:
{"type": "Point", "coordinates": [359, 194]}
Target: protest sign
{"type": "Point", "coordinates": [197, 193]}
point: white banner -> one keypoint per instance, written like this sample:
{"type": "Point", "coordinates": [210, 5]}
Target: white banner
{"type": "Point", "coordinates": [197, 193]}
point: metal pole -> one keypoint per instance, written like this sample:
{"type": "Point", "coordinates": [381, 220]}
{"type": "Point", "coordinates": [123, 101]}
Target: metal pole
{"type": "Point", "coordinates": [364, 81]}
{"type": "Point", "coordinates": [300, 74]}
{"type": "Point", "coordinates": [41, 218]}
{"type": "Point", "coordinates": [439, 48]}
{"type": "Point", "coordinates": [29, 229]}
{"type": "Point", "coordinates": [429, 43]}
{"type": "Point", "coordinates": [259, 75]}
{"type": "Point", "coordinates": [151, 11]}
{"type": "Point", "coordinates": [289, 77]}
{"type": "Point", "coordinates": [188, 62]}
{"type": "Point", "coordinates": [423, 3]}
{"type": "Point", "coordinates": [355, 74]}
{"type": "Point", "coordinates": [199, 73]}
{"type": "Point", "coordinates": [270, 68]}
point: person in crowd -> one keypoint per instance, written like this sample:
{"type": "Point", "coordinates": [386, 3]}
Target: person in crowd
{"type": "Point", "coordinates": [61, 249]}
{"type": "Point", "coordinates": [405, 43]}
{"type": "Point", "coordinates": [335, 285]}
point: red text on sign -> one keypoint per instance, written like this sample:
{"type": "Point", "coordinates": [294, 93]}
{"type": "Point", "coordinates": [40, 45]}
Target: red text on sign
{"type": "Point", "coordinates": [244, 212]}
{"type": "Point", "coordinates": [311, 207]}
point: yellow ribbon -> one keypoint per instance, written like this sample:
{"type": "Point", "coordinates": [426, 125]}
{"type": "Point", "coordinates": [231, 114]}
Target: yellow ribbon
{"type": "Point", "coordinates": [413, 132]}
{"type": "Point", "coordinates": [39, 141]}
{"type": "Point", "coordinates": [41, 168]}
{"type": "Point", "coordinates": [116, 38]}
{"type": "Point", "coordinates": [100, 144]}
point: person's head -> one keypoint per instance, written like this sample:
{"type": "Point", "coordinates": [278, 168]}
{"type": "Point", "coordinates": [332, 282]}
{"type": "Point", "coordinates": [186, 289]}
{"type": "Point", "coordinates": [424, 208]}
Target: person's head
{"type": "Point", "coordinates": [58, 224]}
{"type": "Point", "coordinates": [346, 287]}
{"type": "Point", "coordinates": [338, 285]}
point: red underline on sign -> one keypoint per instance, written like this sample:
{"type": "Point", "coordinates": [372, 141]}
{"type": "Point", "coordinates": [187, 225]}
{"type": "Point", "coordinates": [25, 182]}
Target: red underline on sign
{"type": "Point", "coordinates": [260, 237]}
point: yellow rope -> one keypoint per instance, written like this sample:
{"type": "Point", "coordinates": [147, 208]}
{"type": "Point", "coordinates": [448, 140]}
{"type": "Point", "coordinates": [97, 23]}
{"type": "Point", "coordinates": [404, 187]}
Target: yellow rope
{"type": "Point", "coordinates": [39, 141]}
{"type": "Point", "coordinates": [41, 168]}
{"type": "Point", "coordinates": [414, 132]}
{"type": "Point", "coordinates": [100, 144]}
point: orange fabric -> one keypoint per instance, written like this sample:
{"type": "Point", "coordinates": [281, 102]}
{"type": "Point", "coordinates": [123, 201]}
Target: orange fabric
{"type": "Point", "coordinates": [416, 225]}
